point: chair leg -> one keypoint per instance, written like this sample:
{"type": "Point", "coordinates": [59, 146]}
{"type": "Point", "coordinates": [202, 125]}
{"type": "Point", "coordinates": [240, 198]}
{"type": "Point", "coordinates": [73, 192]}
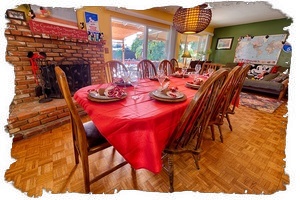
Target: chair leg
{"type": "Point", "coordinates": [134, 179]}
{"type": "Point", "coordinates": [196, 159]}
{"type": "Point", "coordinates": [228, 120]}
{"type": "Point", "coordinates": [105, 173]}
{"type": "Point", "coordinates": [170, 171]}
{"type": "Point", "coordinates": [86, 175]}
{"type": "Point", "coordinates": [113, 150]}
{"type": "Point", "coordinates": [76, 150]}
{"type": "Point", "coordinates": [212, 132]}
{"type": "Point", "coordinates": [76, 155]}
{"type": "Point", "coordinates": [221, 135]}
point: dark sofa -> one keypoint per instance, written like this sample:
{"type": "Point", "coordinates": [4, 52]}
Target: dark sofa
{"type": "Point", "coordinates": [270, 82]}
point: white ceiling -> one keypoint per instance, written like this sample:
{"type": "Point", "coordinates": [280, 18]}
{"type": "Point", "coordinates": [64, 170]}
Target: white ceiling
{"type": "Point", "coordinates": [230, 13]}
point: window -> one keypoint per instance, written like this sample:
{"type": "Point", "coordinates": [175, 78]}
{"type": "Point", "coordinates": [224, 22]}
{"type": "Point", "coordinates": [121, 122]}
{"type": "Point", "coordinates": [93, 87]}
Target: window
{"type": "Point", "coordinates": [196, 44]}
{"type": "Point", "coordinates": [127, 41]}
{"type": "Point", "coordinates": [157, 44]}
{"type": "Point", "coordinates": [133, 42]}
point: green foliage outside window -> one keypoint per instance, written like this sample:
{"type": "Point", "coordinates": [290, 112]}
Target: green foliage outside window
{"type": "Point", "coordinates": [156, 49]}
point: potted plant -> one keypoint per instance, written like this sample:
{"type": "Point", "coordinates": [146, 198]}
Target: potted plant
{"type": "Point", "coordinates": [204, 55]}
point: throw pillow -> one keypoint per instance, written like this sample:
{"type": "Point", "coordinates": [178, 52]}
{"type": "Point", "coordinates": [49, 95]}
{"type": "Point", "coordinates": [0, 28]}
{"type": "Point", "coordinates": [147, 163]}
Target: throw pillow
{"type": "Point", "coordinates": [261, 75]}
{"type": "Point", "coordinates": [270, 76]}
{"type": "Point", "coordinates": [274, 69]}
{"type": "Point", "coordinates": [260, 70]}
{"type": "Point", "coordinates": [267, 68]}
{"type": "Point", "coordinates": [252, 71]}
{"type": "Point", "coordinates": [281, 77]}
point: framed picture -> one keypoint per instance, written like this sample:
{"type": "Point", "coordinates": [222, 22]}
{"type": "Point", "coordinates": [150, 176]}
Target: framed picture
{"type": "Point", "coordinates": [92, 26]}
{"type": "Point", "coordinates": [224, 43]}
{"type": "Point", "coordinates": [15, 14]}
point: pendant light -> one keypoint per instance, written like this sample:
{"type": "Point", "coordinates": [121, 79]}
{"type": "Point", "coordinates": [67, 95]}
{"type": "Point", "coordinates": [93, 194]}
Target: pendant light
{"type": "Point", "coordinates": [192, 20]}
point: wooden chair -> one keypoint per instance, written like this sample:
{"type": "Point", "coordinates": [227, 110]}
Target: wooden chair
{"type": "Point", "coordinates": [193, 63]}
{"type": "Point", "coordinates": [147, 68]}
{"type": "Point", "coordinates": [209, 65]}
{"type": "Point", "coordinates": [223, 101]}
{"type": "Point", "coordinates": [167, 66]}
{"type": "Point", "coordinates": [87, 139]}
{"type": "Point", "coordinates": [113, 69]}
{"type": "Point", "coordinates": [236, 93]}
{"type": "Point", "coordinates": [188, 134]}
{"type": "Point", "coordinates": [175, 64]}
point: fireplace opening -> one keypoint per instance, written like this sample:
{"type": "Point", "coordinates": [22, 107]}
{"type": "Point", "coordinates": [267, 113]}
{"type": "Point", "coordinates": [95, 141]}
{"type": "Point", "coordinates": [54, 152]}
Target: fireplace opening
{"type": "Point", "coordinates": [77, 71]}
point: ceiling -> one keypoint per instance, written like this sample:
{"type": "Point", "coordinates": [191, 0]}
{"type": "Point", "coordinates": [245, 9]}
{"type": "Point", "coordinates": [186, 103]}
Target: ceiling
{"type": "Point", "coordinates": [122, 30]}
{"type": "Point", "coordinates": [226, 13]}
{"type": "Point", "coordinates": [230, 13]}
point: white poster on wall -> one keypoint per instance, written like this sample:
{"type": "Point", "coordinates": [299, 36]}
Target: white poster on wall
{"type": "Point", "coordinates": [259, 49]}
{"type": "Point", "coordinates": [92, 26]}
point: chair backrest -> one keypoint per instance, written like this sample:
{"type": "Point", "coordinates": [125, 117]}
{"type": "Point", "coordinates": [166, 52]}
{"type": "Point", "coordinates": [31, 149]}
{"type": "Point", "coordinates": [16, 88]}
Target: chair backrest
{"type": "Point", "coordinates": [195, 62]}
{"type": "Point", "coordinates": [175, 64]}
{"type": "Point", "coordinates": [78, 131]}
{"type": "Point", "coordinates": [113, 69]}
{"type": "Point", "coordinates": [240, 81]}
{"type": "Point", "coordinates": [167, 66]}
{"type": "Point", "coordinates": [147, 68]}
{"type": "Point", "coordinates": [226, 94]}
{"type": "Point", "coordinates": [209, 65]}
{"type": "Point", "coordinates": [194, 121]}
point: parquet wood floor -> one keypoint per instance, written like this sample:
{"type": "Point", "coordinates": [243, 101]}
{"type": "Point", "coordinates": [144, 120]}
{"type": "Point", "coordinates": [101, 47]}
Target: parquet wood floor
{"type": "Point", "coordinates": [251, 160]}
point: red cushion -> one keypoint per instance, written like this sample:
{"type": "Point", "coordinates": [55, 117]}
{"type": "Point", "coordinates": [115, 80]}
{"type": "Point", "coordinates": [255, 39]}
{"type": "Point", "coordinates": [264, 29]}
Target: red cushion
{"type": "Point", "coordinates": [240, 64]}
{"type": "Point", "coordinates": [274, 69]}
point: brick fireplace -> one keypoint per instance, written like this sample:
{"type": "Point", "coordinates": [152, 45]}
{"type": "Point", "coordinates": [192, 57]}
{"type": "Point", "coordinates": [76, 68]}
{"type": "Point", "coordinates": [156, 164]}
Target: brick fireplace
{"type": "Point", "coordinates": [27, 116]}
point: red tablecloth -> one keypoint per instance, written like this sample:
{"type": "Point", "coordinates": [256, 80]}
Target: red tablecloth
{"type": "Point", "coordinates": [138, 129]}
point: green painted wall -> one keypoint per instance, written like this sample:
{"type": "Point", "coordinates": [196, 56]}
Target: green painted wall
{"type": "Point", "coordinates": [271, 27]}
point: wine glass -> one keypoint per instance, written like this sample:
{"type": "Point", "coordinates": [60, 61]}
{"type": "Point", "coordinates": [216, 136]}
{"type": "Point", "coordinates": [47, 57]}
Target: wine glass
{"type": "Point", "coordinates": [184, 70]}
{"type": "Point", "coordinates": [161, 77]}
{"type": "Point", "coordinates": [134, 81]}
{"type": "Point", "coordinates": [197, 70]}
{"type": "Point", "coordinates": [125, 77]}
{"type": "Point", "coordinates": [210, 71]}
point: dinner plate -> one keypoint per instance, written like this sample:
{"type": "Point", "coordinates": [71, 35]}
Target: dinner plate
{"type": "Point", "coordinates": [123, 84]}
{"type": "Point", "coordinates": [160, 94]}
{"type": "Point", "coordinates": [191, 85]}
{"type": "Point", "coordinates": [155, 79]}
{"type": "Point", "coordinates": [156, 94]}
{"type": "Point", "coordinates": [180, 75]}
{"type": "Point", "coordinates": [95, 96]}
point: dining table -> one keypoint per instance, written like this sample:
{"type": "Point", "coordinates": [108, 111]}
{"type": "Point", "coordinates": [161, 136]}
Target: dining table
{"type": "Point", "coordinates": [139, 128]}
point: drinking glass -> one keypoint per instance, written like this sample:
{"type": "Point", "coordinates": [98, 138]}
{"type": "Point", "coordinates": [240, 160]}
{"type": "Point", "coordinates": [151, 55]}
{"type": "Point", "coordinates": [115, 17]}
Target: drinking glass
{"type": "Point", "coordinates": [125, 77]}
{"type": "Point", "coordinates": [184, 70]}
{"type": "Point", "coordinates": [134, 81]}
{"type": "Point", "coordinates": [197, 68]}
{"type": "Point", "coordinates": [161, 77]}
{"type": "Point", "coordinates": [210, 71]}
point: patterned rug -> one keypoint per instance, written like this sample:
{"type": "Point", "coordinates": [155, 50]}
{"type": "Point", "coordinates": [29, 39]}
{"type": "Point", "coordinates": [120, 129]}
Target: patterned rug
{"type": "Point", "coordinates": [257, 102]}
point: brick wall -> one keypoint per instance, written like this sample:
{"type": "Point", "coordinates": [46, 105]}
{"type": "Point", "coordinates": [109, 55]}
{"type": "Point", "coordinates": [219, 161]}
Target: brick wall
{"type": "Point", "coordinates": [20, 40]}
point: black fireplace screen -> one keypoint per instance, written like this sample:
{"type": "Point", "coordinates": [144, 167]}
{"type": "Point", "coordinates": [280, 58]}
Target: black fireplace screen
{"type": "Point", "coordinates": [77, 71]}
